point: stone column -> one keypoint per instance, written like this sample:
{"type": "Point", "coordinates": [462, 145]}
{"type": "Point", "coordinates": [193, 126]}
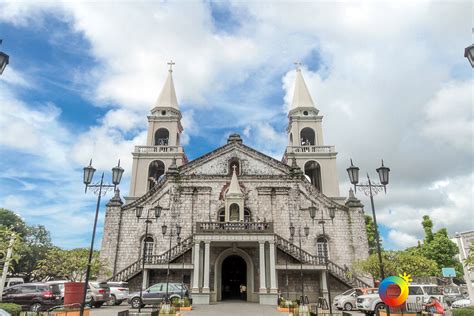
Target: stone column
{"type": "Point", "coordinates": [263, 288]}
{"type": "Point", "coordinates": [324, 286]}
{"type": "Point", "coordinates": [146, 277]}
{"type": "Point", "coordinates": [196, 268]}
{"type": "Point", "coordinates": [207, 267]}
{"type": "Point", "coordinates": [273, 286]}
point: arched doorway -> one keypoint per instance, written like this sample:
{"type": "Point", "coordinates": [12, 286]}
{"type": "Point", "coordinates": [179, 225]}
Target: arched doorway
{"type": "Point", "coordinates": [234, 274]}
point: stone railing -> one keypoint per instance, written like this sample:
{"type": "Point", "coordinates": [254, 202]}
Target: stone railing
{"type": "Point", "coordinates": [156, 149]}
{"type": "Point", "coordinates": [311, 149]}
{"type": "Point", "coordinates": [136, 267]}
{"type": "Point", "coordinates": [235, 227]}
{"type": "Point", "coordinates": [307, 258]}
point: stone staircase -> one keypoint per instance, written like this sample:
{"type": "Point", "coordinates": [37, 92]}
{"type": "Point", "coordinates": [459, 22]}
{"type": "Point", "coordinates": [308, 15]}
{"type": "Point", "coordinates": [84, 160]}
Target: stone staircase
{"type": "Point", "coordinates": [136, 267]}
{"type": "Point", "coordinates": [307, 258]}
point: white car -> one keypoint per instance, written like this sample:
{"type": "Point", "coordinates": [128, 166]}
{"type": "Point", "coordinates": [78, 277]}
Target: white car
{"type": "Point", "coordinates": [417, 293]}
{"type": "Point", "coordinates": [118, 292]}
{"type": "Point", "coordinates": [461, 303]}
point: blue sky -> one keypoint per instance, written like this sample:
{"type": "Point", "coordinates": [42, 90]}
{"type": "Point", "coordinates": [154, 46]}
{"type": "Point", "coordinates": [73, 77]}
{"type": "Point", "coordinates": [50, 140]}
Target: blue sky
{"type": "Point", "coordinates": [389, 78]}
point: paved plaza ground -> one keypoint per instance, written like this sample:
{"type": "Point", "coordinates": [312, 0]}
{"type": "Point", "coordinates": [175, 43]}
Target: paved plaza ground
{"type": "Point", "coordinates": [227, 308]}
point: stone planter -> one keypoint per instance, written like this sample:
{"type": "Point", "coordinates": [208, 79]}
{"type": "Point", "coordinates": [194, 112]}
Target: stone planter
{"type": "Point", "coordinates": [69, 312]}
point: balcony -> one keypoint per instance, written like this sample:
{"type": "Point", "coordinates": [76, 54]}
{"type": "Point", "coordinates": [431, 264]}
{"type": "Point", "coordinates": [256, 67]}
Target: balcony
{"type": "Point", "coordinates": [311, 149]}
{"type": "Point", "coordinates": [234, 228]}
{"type": "Point", "coordinates": [157, 149]}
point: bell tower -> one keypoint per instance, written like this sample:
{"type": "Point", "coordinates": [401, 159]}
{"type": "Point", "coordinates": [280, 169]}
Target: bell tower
{"type": "Point", "coordinates": [150, 162]}
{"type": "Point", "coordinates": [306, 143]}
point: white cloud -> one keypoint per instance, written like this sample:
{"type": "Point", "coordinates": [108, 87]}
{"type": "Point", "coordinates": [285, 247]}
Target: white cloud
{"type": "Point", "coordinates": [400, 92]}
{"type": "Point", "coordinates": [401, 239]}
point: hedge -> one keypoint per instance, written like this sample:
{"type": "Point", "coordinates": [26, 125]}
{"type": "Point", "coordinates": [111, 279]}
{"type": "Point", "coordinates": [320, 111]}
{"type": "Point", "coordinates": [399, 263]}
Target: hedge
{"type": "Point", "coordinates": [465, 311]}
{"type": "Point", "coordinates": [11, 308]}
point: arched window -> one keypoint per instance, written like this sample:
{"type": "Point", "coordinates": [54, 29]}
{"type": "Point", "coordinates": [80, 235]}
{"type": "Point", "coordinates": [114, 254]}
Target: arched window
{"type": "Point", "coordinates": [323, 251]}
{"type": "Point", "coordinates": [177, 139]}
{"type": "Point", "coordinates": [291, 139]}
{"type": "Point", "coordinates": [234, 212]}
{"type": "Point", "coordinates": [162, 137]}
{"type": "Point", "coordinates": [148, 248]}
{"type": "Point", "coordinates": [307, 137]}
{"type": "Point", "coordinates": [221, 215]}
{"type": "Point", "coordinates": [313, 171]}
{"type": "Point", "coordinates": [155, 171]}
{"type": "Point", "coordinates": [234, 162]}
{"type": "Point", "coordinates": [247, 217]}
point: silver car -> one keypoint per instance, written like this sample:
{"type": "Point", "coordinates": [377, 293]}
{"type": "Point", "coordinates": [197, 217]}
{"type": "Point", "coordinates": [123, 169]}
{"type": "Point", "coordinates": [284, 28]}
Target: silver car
{"type": "Point", "coordinates": [118, 292]}
{"type": "Point", "coordinates": [100, 293]}
{"type": "Point", "coordinates": [348, 300]}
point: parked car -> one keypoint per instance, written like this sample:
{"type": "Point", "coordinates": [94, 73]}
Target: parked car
{"type": "Point", "coordinates": [118, 292]}
{"type": "Point", "coordinates": [33, 296]}
{"type": "Point", "coordinates": [451, 294]}
{"type": "Point", "coordinates": [13, 281]}
{"type": "Point", "coordinates": [100, 293]}
{"type": "Point", "coordinates": [417, 293]}
{"type": "Point", "coordinates": [347, 300]}
{"type": "Point", "coordinates": [461, 303]}
{"type": "Point", "coordinates": [156, 293]}
{"type": "Point", "coordinates": [61, 286]}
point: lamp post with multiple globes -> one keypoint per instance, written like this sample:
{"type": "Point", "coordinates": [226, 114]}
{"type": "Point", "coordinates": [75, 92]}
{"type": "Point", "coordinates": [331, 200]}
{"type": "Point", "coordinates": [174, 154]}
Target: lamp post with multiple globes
{"type": "Point", "coordinates": [138, 212]}
{"type": "Point", "coordinates": [370, 189]}
{"type": "Point", "coordinates": [100, 189]}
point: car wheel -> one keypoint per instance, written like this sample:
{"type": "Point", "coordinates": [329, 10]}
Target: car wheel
{"type": "Point", "coordinates": [112, 300]}
{"type": "Point", "coordinates": [118, 302]}
{"type": "Point", "coordinates": [36, 307]}
{"type": "Point", "coordinates": [378, 307]}
{"type": "Point", "coordinates": [98, 304]}
{"type": "Point", "coordinates": [348, 306]}
{"type": "Point", "coordinates": [136, 302]}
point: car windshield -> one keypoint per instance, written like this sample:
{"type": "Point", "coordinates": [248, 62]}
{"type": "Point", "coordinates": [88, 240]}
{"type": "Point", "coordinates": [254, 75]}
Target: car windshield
{"type": "Point", "coordinates": [451, 290]}
{"type": "Point", "coordinates": [348, 292]}
{"type": "Point", "coordinates": [432, 290]}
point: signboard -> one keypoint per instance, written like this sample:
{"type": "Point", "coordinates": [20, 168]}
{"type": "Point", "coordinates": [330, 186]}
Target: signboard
{"type": "Point", "coordinates": [449, 272]}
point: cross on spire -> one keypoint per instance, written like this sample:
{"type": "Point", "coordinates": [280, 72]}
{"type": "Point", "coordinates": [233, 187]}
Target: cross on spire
{"type": "Point", "coordinates": [298, 65]}
{"type": "Point", "coordinates": [171, 63]}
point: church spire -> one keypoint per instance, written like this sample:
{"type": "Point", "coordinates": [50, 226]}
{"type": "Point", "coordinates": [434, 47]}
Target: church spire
{"type": "Point", "coordinates": [301, 96]}
{"type": "Point", "coordinates": [167, 96]}
{"type": "Point", "coordinates": [234, 187]}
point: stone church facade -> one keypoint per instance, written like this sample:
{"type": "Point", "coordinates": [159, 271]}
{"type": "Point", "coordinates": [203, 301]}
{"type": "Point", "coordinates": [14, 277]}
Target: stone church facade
{"type": "Point", "coordinates": [234, 207]}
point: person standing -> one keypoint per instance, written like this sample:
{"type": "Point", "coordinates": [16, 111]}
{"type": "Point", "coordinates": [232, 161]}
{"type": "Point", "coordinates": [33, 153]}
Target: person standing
{"type": "Point", "coordinates": [243, 292]}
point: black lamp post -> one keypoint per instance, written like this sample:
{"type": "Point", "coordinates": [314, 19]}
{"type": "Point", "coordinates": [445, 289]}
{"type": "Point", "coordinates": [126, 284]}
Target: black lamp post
{"type": "Point", "coordinates": [4, 59]}
{"type": "Point", "coordinates": [292, 234]}
{"type": "Point", "coordinates": [138, 212]}
{"type": "Point", "coordinates": [164, 228]}
{"type": "Point", "coordinates": [322, 221]}
{"type": "Point", "coordinates": [469, 54]}
{"type": "Point", "coordinates": [372, 189]}
{"type": "Point", "coordinates": [99, 189]}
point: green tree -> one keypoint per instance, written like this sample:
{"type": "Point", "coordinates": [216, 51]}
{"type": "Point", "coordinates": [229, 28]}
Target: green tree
{"type": "Point", "coordinates": [427, 224]}
{"type": "Point", "coordinates": [5, 239]}
{"type": "Point", "coordinates": [469, 261]}
{"type": "Point", "coordinates": [370, 229]}
{"type": "Point", "coordinates": [443, 251]}
{"type": "Point", "coordinates": [35, 245]}
{"type": "Point", "coordinates": [70, 264]}
{"type": "Point", "coordinates": [398, 262]}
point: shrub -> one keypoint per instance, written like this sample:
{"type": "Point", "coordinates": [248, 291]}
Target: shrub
{"type": "Point", "coordinates": [10, 308]}
{"type": "Point", "coordinates": [465, 311]}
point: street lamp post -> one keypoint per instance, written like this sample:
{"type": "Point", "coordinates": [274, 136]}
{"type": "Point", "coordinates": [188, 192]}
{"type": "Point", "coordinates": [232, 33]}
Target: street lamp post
{"type": "Point", "coordinates": [469, 54]}
{"type": "Point", "coordinates": [164, 228]}
{"type": "Point", "coordinates": [322, 221]}
{"type": "Point", "coordinates": [138, 213]}
{"type": "Point", "coordinates": [370, 189]}
{"type": "Point", "coordinates": [292, 234]}
{"type": "Point", "coordinates": [4, 59]}
{"type": "Point", "coordinates": [100, 189]}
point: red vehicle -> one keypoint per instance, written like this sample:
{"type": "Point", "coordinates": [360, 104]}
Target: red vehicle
{"type": "Point", "coordinates": [33, 296]}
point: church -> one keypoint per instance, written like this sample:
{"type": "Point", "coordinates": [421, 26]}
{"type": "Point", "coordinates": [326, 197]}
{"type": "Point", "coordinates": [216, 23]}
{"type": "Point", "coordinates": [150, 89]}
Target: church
{"type": "Point", "coordinates": [236, 216]}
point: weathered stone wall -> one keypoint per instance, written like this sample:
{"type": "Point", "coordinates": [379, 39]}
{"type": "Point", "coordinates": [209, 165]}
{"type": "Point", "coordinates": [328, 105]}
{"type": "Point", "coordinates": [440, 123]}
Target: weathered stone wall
{"type": "Point", "coordinates": [270, 194]}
